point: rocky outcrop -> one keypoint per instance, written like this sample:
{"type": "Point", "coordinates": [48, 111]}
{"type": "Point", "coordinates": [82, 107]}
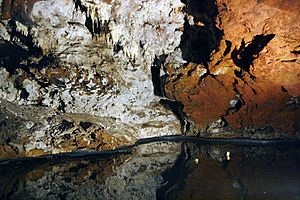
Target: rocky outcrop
{"type": "Point", "coordinates": [248, 86]}
{"type": "Point", "coordinates": [87, 58]}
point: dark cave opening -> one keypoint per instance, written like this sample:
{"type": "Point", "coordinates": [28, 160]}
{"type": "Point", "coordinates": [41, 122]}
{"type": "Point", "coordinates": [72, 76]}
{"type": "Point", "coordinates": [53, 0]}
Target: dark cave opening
{"type": "Point", "coordinates": [200, 39]}
{"type": "Point", "coordinates": [177, 108]}
{"type": "Point", "coordinates": [18, 52]}
{"type": "Point", "coordinates": [157, 80]}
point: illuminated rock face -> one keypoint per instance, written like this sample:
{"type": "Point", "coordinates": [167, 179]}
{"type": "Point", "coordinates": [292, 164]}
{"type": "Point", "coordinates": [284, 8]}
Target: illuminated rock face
{"type": "Point", "coordinates": [134, 69]}
{"type": "Point", "coordinates": [91, 59]}
{"type": "Point", "coordinates": [249, 85]}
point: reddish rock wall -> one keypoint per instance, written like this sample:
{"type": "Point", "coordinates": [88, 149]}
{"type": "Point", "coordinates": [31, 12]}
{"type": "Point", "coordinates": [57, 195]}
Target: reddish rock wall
{"type": "Point", "coordinates": [252, 82]}
{"type": "Point", "coordinates": [18, 9]}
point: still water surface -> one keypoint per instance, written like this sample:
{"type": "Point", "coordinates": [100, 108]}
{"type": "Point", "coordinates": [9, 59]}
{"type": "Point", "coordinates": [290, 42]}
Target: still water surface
{"type": "Point", "coordinates": [162, 170]}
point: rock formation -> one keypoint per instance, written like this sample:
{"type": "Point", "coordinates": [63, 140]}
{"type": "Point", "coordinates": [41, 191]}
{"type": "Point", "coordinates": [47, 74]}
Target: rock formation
{"type": "Point", "coordinates": [248, 86]}
{"type": "Point", "coordinates": [91, 59]}
{"type": "Point", "coordinates": [78, 74]}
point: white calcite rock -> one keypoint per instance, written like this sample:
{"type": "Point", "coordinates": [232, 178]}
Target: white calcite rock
{"type": "Point", "coordinates": [32, 89]}
{"type": "Point", "coordinates": [97, 80]}
{"type": "Point", "coordinates": [7, 89]}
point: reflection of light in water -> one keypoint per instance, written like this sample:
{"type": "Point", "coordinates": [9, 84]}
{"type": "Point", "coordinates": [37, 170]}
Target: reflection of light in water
{"type": "Point", "coordinates": [227, 155]}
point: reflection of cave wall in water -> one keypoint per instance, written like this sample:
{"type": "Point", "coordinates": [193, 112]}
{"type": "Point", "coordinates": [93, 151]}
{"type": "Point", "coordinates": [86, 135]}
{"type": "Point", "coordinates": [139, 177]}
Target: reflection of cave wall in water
{"type": "Point", "coordinates": [105, 176]}
{"type": "Point", "coordinates": [242, 74]}
{"type": "Point", "coordinates": [244, 174]}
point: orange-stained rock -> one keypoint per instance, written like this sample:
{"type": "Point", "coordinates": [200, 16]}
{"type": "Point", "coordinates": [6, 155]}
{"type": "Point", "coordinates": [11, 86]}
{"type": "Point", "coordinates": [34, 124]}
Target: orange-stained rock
{"type": "Point", "coordinates": [35, 152]}
{"type": "Point", "coordinates": [8, 151]}
{"type": "Point", "coordinates": [278, 62]}
{"type": "Point", "coordinates": [18, 9]}
{"type": "Point", "coordinates": [210, 95]}
{"type": "Point", "coordinates": [6, 9]}
{"type": "Point", "coordinates": [253, 78]}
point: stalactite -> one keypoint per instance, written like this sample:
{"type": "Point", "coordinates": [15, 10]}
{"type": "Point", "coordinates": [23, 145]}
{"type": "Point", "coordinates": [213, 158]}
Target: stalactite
{"type": "Point", "coordinates": [97, 15]}
{"type": "Point", "coordinates": [22, 28]}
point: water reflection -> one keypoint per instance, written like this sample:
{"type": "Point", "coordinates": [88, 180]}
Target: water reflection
{"type": "Point", "coordinates": [160, 171]}
{"type": "Point", "coordinates": [129, 176]}
{"type": "Point", "coordinates": [232, 172]}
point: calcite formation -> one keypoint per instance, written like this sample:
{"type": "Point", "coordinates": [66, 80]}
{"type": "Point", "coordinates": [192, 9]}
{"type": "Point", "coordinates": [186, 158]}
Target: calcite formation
{"type": "Point", "coordinates": [88, 58]}
{"type": "Point", "coordinates": [111, 71]}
